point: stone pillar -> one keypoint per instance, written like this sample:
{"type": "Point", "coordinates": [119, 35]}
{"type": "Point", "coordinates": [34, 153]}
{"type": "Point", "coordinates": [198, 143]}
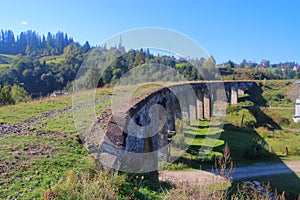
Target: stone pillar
{"type": "Point", "coordinates": [163, 144]}
{"type": "Point", "coordinates": [171, 118]}
{"type": "Point", "coordinates": [193, 108]}
{"type": "Point", "coordinates": [200, 110]}
{"type": "Point", "coordinates": [163, 135]}
{"type": "Point", "coordinates": [207, 105]}
{"type": "Point", "coordinates": [185, 108]}
{"type": "Point", "coordinates": [234, 93]}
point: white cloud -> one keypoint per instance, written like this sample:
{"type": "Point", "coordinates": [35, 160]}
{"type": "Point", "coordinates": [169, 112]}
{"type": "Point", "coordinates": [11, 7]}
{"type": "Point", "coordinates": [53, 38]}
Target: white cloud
{"type": "Point", "coordinates": [24, 23]}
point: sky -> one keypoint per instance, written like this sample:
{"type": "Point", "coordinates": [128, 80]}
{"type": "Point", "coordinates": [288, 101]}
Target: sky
{"type": "Point", "coordinates": [226, 29]}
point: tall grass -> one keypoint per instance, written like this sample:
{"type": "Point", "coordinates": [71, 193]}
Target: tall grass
{"type": "Point", "coordinates": [98, 183]}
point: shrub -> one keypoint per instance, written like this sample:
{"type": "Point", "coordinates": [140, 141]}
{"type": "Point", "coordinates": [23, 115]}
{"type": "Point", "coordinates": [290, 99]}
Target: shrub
{"type": "Point", "coordinates": [284, 121]}
{"type": "Point", "coordinates": [18, 94]}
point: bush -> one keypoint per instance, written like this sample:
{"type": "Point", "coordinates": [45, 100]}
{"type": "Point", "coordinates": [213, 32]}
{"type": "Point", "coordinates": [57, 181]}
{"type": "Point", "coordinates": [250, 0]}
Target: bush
{"type": "Point", "coordinates": [18, 94]}
{"type": "Point", "coordinates": [284, 121]}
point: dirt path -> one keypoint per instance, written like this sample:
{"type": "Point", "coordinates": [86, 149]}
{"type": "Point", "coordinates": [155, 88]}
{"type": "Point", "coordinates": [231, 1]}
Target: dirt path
{"type": "Point", "coordinates": [191, 177]}
{"type": "Point", "coordinates": [262, 169]}
{"type": "Point", "coordinates": [199, 177]}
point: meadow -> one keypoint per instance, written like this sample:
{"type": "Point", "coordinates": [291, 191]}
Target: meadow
{"type": "Point", "coordinates": [50, 161]}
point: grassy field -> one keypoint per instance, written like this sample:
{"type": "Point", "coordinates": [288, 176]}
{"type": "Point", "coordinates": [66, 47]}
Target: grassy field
{"type": "Point", "coordinates": [17, 114]}
{"type": "Point", "coordinates": [274, 124]}
{"type": "Point", "coordinates": [33, 163]}
{"type": "Point", "coordinates": [53, 157]}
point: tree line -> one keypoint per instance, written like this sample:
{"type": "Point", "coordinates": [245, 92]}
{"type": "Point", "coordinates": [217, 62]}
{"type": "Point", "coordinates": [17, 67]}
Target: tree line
{"type": "Point", "coordinates": [43, 64]}
{"type": "Point", "coordinates": [31, 43]}
{"type": "Point", "coordinates": [43, 77]}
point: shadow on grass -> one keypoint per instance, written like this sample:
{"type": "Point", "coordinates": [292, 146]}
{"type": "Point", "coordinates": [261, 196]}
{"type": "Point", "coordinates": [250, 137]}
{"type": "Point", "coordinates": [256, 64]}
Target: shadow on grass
{"type": "Point", "coordinates": [200, 126]}
{"type": "Point", "coordinates": [263, 120]}
{"type": "Point", "coordinates": [255, 96]}
{"type": "Point", "coordinates": [290, 182]}
{"type": "Point", "coordinates": [202, 136]}
{"type": "Point", "coordinates": [247, 148]}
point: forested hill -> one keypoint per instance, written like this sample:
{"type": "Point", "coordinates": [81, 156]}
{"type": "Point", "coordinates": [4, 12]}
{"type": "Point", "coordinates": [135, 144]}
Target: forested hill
{"type": "Point", "coordinates": [42, 64]}
{"type": "Point", "coordinates": [31, 43]}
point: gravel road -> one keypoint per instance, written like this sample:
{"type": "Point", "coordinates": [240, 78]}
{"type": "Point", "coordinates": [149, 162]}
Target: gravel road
{"type": "Point", "coordinates": [199, 177]}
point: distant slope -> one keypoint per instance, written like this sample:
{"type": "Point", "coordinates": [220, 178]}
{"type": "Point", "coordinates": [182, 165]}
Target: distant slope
{"type": "Point", "coordinates": [53, 59]}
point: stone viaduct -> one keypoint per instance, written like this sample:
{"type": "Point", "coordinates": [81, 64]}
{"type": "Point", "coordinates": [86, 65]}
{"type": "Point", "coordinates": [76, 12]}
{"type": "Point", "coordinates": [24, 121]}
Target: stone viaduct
{"type": "Point", "coordinates": [136, 140]}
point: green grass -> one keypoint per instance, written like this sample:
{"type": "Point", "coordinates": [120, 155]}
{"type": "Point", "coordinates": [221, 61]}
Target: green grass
{"type": "Point", "coordinates": [33, 163]}
{"type": "Point", "coordinates": [240, 140]}
{"type": "Point", "coordinates": [241, 143]}
{"type": "Point", "coordinates": [272, 93]}
{"type": "Point", "coordinates": [17, 114]}
{"type": "Point", "coordinates": [53, 59]}
{"type": "Point", "coordinates": [181, 64]}
{"type": "Point", "coordinates": [61, 122]}
{"type": "Point", "coordinates": [283, 139]}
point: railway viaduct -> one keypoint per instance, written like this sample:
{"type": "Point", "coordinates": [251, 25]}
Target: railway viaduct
{"type": "Point", "coordinates": [137, 139]}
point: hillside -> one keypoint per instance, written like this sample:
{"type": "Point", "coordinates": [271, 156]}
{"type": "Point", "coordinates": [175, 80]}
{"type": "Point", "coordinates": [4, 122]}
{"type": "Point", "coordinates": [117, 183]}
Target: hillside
{"type": "Point", "coordinates": [42, 64]}
{"type": "Point", "coordinates": [40, 149]}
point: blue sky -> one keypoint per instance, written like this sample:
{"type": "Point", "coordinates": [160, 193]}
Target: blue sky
{"type": "Point", "coordinates": [227, 29]}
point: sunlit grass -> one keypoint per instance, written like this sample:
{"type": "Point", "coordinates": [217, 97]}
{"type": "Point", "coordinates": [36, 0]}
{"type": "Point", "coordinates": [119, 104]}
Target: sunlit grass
{"type": "Point", "coordinates": [33, 164]}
